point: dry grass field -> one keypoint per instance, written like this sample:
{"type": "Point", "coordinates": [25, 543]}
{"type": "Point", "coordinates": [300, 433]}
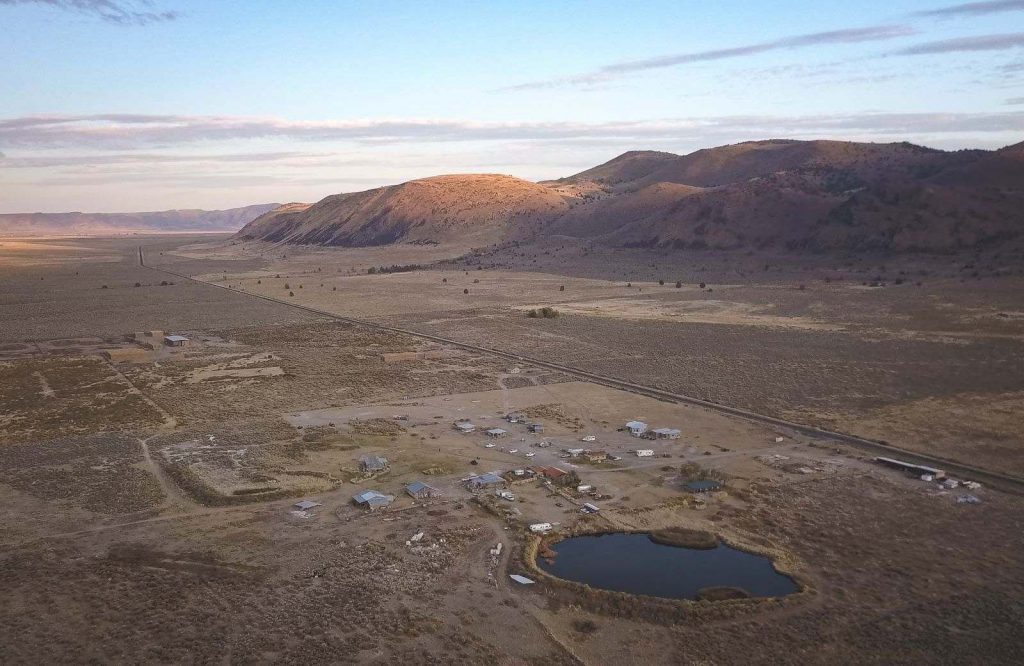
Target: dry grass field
{"type": "Point", "coordinates": [149, 503]}
{"type": "Point", "coordinates": [930, 359]}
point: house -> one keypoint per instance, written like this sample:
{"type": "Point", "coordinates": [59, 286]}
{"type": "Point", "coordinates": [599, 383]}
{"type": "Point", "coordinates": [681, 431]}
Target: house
{"type": "Point", "coordinates": [589, 508]}
{"type": "Point", "coordinates": [644, 453]}
{"type": "Point", "coordinates": [372, 499]}
{"type": "Point", "coordinates": [522, 580]}
{"type": "Point", "coordinates": [306, 505]}
{"type": "Point", "coordinates": [666, 433]}
{"type": "Point", "coordinates": [482, 481]}
{"type": "Point", "coordinates": [497, 432]}
{"type": "Point", "coordinates": [519, 475]}
{"type": "Point", "coordinates": [575, 452]}
{"type": "Point", "coordinates": [596, 456]}
{"type": "Point", "coordinates": [541, 528]}
{"type": "Point", "coordinates": [175, 340]}
{"type": "Point", "coordinates": [465, 427]}
{"type": "Point", "coordinates": [420, 490]}
{"type": "Point", "coordinates": [636, 428]}
{"type": "Point", "coordinates": [550, 473]}
{"type": "Point", "coordinates": [707, 486]}
{"type": "Point", "coordinates": [535, 428]}
{"type": "Point", "coordinates": [370, 464]}
{"type": "Point", "coordinates": [515, 418]}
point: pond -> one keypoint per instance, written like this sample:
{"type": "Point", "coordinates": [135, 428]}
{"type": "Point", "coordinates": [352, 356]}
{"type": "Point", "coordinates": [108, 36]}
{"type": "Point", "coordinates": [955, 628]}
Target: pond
{"type": "Point", "coordinates": [633, 563]}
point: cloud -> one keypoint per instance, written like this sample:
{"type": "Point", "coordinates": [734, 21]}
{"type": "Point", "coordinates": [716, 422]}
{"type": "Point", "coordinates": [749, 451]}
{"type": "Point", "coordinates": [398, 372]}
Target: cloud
{"type": "Point", "coordinates": [964, 44]}
{"type": "Point", "coordinates": [120, 12]}
{"type": "Point", "coordinates": [1014, 101]}
{"type": "Point", "coordinates": [139, 132]}
{"type": "Point", "coordinates": [49, 161]}
{"type": "Point", "coordinates": [975, 8]}
{"type": "Point", "coordinates": [846, 36]}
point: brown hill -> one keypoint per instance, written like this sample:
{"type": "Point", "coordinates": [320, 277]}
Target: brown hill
{"type": "Point", "coordinates": [814, 195]}
{"type": "Point", "coordinates": [821, 196]}
{"type": "Point", "coordinates": [627, 168]}
{"type": "Point", "coordinates": [36, 224]}
{"type": "Point", "coordinates": [477, 209]}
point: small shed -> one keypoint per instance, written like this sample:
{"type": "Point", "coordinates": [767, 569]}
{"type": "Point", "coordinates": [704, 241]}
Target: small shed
{"type": "Point", "coordinates": [306, 505]}
{"type": "Point", "coordinates": [644, 453]}
{"type": "Point", "coordinates": [497, 432]}
{"type": "Point", "coordinates": [373, 463]}
{"type": "Point", "coordinates": [420, 490]}
{"type": "Point", "coordinates": [536, 427]}
{"type": "Point", "coordinates": [465, 427]}
{"type": "Point", "coordinates": [175, 340]}
{"type": "Point", "coordinates": [636, 428]}
{"type": "Point", "coordinates": [666, 433]}
{"type": "Point", "coordinates": [519, 475]}
{"type": "Point", "coordinates": [373, 499]}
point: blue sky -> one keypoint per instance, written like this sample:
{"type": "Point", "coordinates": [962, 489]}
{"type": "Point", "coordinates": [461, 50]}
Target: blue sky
{"type": "Point", "coordinates": [116, 105]}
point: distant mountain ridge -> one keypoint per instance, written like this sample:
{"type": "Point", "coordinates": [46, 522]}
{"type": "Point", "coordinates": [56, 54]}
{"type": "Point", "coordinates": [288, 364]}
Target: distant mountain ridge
{"type": "Point", "coordinates": [782, 195]}
{"type": "Point", "coordinates": [231, 219]}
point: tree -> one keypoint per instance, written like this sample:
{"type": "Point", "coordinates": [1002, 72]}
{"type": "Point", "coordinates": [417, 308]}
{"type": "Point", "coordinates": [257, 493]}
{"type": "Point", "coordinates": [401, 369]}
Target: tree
{"type": "Point", "coordinates": [679, 284]}
{"type": "Point", "coordinates": [562, 288]}
{"type": "Point", "coordinates": [465, 291]}
{"type": "Point", "coordinates": [661, 282]}
{"type": "Point", "coordinates": [702, 285]}
{"type": "Point", "coordinates": [291, 293]}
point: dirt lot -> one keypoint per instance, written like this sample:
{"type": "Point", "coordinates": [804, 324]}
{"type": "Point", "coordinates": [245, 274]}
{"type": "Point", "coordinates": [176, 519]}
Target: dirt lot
{"type": "Point", "coordinates": [150, 510]}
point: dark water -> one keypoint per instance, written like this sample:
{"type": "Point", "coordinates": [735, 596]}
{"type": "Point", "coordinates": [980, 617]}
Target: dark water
{"type": "Point", "coordinates": [635, 564]}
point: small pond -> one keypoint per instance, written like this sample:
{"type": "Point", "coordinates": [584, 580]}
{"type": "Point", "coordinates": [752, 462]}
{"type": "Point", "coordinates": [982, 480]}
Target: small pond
{"type": "Point", "coordinates": [633, 563]}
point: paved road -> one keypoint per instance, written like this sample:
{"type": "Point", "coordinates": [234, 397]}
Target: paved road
{"type": "Point", "coordinates": [993, 478]}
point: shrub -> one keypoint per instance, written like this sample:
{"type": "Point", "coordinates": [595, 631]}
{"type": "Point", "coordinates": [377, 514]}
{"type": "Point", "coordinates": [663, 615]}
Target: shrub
{"type": "Point", "coordinates": [287, 286]}
{"type": "Point", "coordinates": [562, 288]}
{"type": "Point", "coordinates": [291, 293]}
{"type": "Point", "coordinates": [679, 285]}
{"type": "Point", "coordinates": [661, 282]}
{"type": "Point", "coordinates": [545, 313]}
{"type": "Point", "coordinates": [138, 284]}
{"type": "Point", "coordinates": [702, 285]}
{"type": "Point", "coordinates": [465, 291]}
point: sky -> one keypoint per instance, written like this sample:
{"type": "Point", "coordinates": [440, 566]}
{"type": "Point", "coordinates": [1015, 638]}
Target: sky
{"type": "Point", "coordinates": [129, 105]}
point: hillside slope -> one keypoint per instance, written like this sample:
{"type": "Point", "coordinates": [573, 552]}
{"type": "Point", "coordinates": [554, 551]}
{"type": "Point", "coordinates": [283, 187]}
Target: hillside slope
{"type": "Point", "coordinates": [477, 209]}
{"type": "Point", "coordinates": [778, 195]}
